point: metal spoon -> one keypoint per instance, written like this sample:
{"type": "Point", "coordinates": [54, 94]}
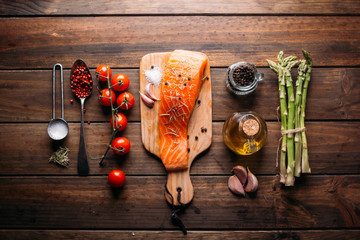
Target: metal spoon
{"type": "Point", "coordinates": [58, 128]}
{"type": "Point", "coordinates": [83, 165]}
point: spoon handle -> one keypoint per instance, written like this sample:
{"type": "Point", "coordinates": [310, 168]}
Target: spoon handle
{"type": "Point", "coordinates": [83, 166]}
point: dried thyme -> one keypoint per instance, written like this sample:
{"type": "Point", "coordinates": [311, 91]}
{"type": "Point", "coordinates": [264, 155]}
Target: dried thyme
{"type": "Point", "coordinates": [60, 157]}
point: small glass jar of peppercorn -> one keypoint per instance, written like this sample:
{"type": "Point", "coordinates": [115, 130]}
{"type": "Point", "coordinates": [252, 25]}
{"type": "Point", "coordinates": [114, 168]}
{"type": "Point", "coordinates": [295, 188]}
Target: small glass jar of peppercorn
{"type": "Point", "coordinates": [242, 78]}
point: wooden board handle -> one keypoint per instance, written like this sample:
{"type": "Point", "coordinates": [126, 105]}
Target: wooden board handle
{"type": "Point", "coordinates": [179, 180]}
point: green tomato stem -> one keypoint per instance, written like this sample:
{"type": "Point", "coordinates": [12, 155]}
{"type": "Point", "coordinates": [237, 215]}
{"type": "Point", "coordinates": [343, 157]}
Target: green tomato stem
{"type": "Point", "coordinates": [113, 116]}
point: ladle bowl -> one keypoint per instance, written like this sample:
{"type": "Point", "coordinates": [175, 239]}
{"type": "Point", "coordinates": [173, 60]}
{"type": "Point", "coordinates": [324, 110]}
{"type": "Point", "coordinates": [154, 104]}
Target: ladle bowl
{"type": "Point", "coordinates": [58, 129]}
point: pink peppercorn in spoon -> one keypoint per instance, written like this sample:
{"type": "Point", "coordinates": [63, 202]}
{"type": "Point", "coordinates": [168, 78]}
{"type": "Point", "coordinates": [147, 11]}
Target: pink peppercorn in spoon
{"type": "Point", "coordinates": [81, 85]}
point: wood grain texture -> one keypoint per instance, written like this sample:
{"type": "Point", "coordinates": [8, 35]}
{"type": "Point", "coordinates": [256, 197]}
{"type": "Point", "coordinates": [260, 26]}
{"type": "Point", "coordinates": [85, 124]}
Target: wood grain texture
{"type": "Point", "coordinates": [334, 93]}
{"type": "Point", "coordinates": [124, 7]}
{"type": "Point", "coordinates": [333, 149]}
{"type": "Point", "coordinates": [43, 201]}
{"type": "Point", "coordinates": [332, 41]}
{"type": "Point", "coordinates": [345, 234]}
{"type": "Point", "coordinates": [88, 202]}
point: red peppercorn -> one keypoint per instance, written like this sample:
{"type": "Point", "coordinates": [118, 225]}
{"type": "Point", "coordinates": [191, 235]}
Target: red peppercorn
{"type": "Point", "coordinates": [71, 101]}
{"type": "Point", "coordinates": [89, 122]}
{"type": "Point", "coordinates": [81, 82]}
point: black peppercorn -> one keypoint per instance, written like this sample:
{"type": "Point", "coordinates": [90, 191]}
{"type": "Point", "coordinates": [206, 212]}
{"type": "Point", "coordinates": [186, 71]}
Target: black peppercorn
{"type": "Point", "coordinates": [243, 75]}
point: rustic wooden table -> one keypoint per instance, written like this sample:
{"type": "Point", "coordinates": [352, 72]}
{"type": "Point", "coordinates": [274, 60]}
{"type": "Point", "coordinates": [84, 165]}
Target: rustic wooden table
{"type": "Point", "coordinates": [39, 200]}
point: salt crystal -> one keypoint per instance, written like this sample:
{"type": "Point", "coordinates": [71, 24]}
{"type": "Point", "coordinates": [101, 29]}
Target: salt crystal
{"type": "Point", "coordinates": [153, 76]}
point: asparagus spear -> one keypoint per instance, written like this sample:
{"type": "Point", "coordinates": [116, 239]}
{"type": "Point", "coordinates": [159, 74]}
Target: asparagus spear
{"type": "Point", "coordinates": [297, 139]}
{"type": "Point", "coordinates": [305, 157]}
{"type": "Point", "coordinates": [290, 123]}
{"type": "Point", "coordinates": [283, 111]}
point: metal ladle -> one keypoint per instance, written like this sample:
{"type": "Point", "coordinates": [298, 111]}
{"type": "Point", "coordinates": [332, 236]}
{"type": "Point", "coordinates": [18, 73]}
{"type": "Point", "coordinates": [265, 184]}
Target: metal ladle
{"type": "Point", "coordinates": [58, 128]}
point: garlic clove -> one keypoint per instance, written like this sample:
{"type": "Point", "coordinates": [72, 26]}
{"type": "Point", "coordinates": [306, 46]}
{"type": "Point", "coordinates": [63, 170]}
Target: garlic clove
{"type": "Point", "coordinates": [149, 91]}
{"type": "Point", "coordinates": [235, 186]}
{"type": "Point", "coordinates": [241, 173]}
{"type": "Point", "coordinates": [146, 100]}
{"type": "Point", "coordinates": [252, 182]}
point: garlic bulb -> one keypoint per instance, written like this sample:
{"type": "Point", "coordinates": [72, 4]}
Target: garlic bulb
{"type": "Point", "coordinates": [235, 185]}
{"type": "Point", "coordinates": [146, 100]}
{"type": "Point", "coordinates": [241, 173]}
{"type": "Point", "coordinates": [149, 91]}
{"type": "Point", "coordinates": [252, 182]}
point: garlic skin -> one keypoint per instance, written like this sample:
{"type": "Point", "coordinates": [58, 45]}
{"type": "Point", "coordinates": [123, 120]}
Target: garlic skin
{"type": "Point", "coordinates": [235, 186]}
{"type": "Point", "coordinates": [241, 173]}
{"type": "Point", "coordinates": [146, 100]}
{"type": "Point", "coordinates": [149, 91]}
{"type": "Point", "coordinates": [252, 182]}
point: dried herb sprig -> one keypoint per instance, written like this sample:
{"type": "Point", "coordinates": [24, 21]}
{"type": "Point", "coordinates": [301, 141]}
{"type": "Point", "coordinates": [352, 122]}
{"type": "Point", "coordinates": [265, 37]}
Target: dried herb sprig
{"type": "Point", "coordinates": [60, 157]}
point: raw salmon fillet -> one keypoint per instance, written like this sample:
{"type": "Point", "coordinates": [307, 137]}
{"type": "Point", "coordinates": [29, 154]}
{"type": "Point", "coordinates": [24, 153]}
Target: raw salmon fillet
{"type": "Point", "coordinates": [181, 83]}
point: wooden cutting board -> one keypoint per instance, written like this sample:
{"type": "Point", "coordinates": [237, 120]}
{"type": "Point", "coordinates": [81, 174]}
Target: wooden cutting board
{"type": "Point", "coordinates": [199, 128]}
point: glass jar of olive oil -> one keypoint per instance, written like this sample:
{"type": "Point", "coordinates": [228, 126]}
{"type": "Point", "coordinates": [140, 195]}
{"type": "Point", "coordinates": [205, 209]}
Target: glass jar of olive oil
{"type": "Point", "coordinates": [244, 132]}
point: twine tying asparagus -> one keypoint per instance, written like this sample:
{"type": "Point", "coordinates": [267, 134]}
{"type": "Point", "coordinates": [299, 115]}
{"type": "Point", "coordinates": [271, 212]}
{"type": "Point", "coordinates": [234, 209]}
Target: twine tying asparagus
{"type": "Point", "coordinates": [295, 130]}
{"type": "Point", "coordinates": [285, 132]}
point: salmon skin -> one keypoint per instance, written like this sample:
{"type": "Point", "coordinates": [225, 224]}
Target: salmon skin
{"type": "Point", "coordinates": [181, 83]}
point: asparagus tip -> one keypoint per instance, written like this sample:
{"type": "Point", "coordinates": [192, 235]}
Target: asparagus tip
{"type": "Point", "coordinates": [307, 57]}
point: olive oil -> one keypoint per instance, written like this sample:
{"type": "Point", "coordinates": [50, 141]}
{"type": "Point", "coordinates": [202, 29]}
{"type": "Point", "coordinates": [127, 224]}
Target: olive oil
{"type": "Point", "coordinates": [244, 132]}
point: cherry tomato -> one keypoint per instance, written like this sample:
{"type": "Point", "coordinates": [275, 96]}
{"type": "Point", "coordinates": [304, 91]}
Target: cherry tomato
{"type": "Point", "coordinates": [120, 82]}
{"type": "Point", "coordinates": [104, 97]}
{"type": "Point", "coordinates": [120, 121]}
{"type": "Point", "coordinates": [116, 178]}
{"type": "Point", "coordinates": [120, 146]}
{"type": "Point", "coordinates": [125, 101]}
{"type": "Point", "coordinates": [102, 72]}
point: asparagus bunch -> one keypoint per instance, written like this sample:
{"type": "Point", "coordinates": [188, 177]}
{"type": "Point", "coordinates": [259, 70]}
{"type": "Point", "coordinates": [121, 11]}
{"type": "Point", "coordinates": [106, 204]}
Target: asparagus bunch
{"type": "Point", "coordinates": [293, 156]}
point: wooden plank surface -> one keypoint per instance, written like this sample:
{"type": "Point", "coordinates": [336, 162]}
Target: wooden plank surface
{"type": "Point", "coordinates": [334, 93]}
{"type": "Point", "coordinates": [41, 200]}
{"type": "Point", "coordinates": [344, 234]}
{"type": "Point", "coordinates": [332, 41]}
{"type": "Point", "coordinates": [333, 149]}
{"type": "Point", "coordinates": [88, 202]}
{"type": "Point", "coordinates": [125, 7]}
